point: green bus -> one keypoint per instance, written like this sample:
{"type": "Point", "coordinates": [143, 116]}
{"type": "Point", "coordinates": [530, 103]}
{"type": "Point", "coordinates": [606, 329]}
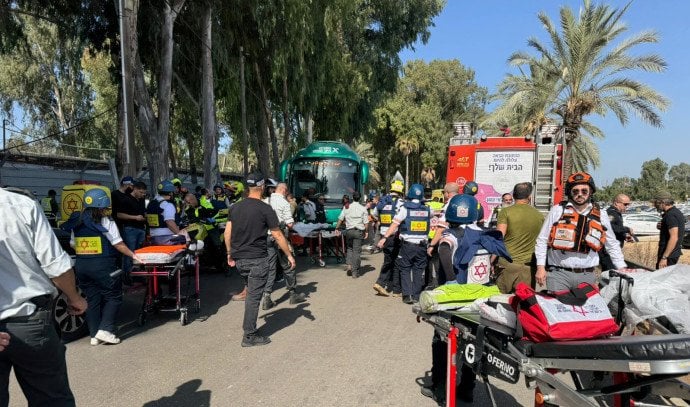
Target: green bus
{"type": "Point", "coordinates": [327, 168]}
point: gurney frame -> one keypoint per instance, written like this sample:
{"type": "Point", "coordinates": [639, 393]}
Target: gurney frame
{"type": "Point", "coordinates": [495, 350]}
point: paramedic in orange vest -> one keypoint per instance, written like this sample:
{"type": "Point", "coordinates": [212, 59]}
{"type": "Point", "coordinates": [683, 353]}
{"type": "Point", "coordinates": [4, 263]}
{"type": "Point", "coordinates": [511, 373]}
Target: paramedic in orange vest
{"type": "Point", "coordinates": [571, 237]}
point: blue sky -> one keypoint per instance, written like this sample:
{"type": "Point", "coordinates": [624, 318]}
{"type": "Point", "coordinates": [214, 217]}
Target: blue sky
{"type": "Point", "coordinates": [483, 34]}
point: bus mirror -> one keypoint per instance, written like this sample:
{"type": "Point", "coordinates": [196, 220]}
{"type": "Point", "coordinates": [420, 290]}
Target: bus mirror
{"type": "Point", "coordinates": [365, 172]}
{"type": "Point", "coordinates": [282, 173]}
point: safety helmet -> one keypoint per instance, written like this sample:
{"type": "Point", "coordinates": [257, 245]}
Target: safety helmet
{"type": "Point", "coordinates": [579, 178]}
{"type": "Point", "coordinates": [176, 182]}
{"type": "Point", "coordinates": [166, 187]}
{"type": "Point", "coordinates": [416, 191]}
{"type": "Point", "coordinates": [96, 198]}
{"type": "Point", "coordinates": [462, 209]}
{"type": "Point", "coordinates": [470, 188]}
{"type": "Point", "coordinates": [397, 186]}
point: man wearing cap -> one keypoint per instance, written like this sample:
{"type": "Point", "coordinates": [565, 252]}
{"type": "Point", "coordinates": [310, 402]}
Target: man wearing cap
{"type": "Point", "coordinates": [160, 216]}
{"type": "Point", "coordinates": [245, 240]}
{"type": "Point", "coordinates": [119, 196]}
{"type": "Point", "coordinates": [571, 237]}
{"type": "Point", "coordinates": [671, 230]}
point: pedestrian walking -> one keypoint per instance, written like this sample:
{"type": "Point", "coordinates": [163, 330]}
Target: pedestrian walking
{"type": "Point", "coordinates": [356, 219]}
{"type": "Point", "coordinates": [249, 220]}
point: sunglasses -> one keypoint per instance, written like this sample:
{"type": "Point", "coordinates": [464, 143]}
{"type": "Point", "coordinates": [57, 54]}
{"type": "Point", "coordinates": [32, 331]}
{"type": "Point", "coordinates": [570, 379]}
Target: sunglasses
{"type": "Point", "coordinates": [584, 191]}
{"type": "Point", "coordinates": [625, 203]}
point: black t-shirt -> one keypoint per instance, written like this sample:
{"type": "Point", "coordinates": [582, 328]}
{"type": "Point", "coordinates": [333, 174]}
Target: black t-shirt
{"type": "Point", "coordinates": [619, 229]}
{"type": "Point", "coordinates": [116, 200]}
{"type": "Point", "coordinates": [132, 206]}
{"type": "Point", "coordinates": [251, 219]}
{"type": "Point", "coordinates": [673, 218]}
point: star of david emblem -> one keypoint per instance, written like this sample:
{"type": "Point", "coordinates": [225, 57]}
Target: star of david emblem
{"type": "Point", "coordinates": [480, 271]}
{"type": "Point", "coordinates": [84, 244]}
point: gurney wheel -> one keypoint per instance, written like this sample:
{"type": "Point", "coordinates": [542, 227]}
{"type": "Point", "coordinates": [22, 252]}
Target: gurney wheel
{"type": "Point", "coordinates": [322, 263]}
{"type": "Point", "coordinates": [313, 260]}
{"type": "Point", "coordinates": [183, 318]}
{"type": "Point", "coordinates": [142, 319]}
{"type": "Point", "coordinates": [339, 260]}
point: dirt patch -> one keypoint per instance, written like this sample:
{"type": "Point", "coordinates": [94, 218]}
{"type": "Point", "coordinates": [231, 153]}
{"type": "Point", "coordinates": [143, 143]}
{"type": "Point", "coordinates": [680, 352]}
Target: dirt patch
{"type": "Point", "coordinates": [644, 252]}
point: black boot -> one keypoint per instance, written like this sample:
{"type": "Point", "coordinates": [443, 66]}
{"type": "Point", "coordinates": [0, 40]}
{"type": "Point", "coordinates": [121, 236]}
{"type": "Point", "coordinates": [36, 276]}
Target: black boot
{"type": "Point", "coordinates": [266, 302]}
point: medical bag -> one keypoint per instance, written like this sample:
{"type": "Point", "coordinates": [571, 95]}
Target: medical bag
{"type": "Point", "coordinates": [576, 314]}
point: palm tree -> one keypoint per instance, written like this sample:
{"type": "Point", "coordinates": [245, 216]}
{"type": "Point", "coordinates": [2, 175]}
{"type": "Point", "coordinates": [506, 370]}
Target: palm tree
{"type": "Point", "coordinates": [590, 70]}
{"type": "Point", "coordinates": [407, 145]}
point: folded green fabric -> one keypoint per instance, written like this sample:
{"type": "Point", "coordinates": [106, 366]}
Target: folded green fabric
{"type": "Point", "coordinates": [453, 296]}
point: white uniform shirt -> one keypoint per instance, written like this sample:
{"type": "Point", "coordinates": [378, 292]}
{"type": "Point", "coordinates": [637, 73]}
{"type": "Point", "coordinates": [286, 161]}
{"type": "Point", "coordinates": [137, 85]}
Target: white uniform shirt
{"type": "Point", "coordinates": [355, 217]}
{"type": "Point", "coordinates": [168, 214]}
{"type": "Point", "coordinates": [561, 258]}
{"type": "Point", "coordinates": [282, 208]}
{"type": "Point", "coordinates": [30, 255]}
{"type": "Point", "coordinates": [399, 218]}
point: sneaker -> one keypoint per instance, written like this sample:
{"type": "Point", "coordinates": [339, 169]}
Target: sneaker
{"type": "Point", "coordinates": [267, 303]}
{"type": "Point", "coordinates": [349, 271]}
{"type": "Point", "coordinates": [296, 298]}
{"type": "Point", "coordinates": [95, 342]}
{"type": "Point", "coordinates": [355, 274]}
{"type": "Point", "coordinates": [107, 337]}
{"type": "Point", "coordinates": [380, 290]}
{"type": "Point", "coordinates": [435, 393]}
{"type": "Point", "coordinates": [407, 299]}
{"type": "Point", "coordinates": [255, 340]}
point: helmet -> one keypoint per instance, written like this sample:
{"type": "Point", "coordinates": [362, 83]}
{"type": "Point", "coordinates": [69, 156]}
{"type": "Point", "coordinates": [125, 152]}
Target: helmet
{"type": "Point", "coordinates": [166, 187]}
{"type": "Point", "coordinates": [176, 182]}
{"type": "Point", "coordinates": [96, 198]}
{"type": "Point", "coordinates": [397, 186]}
{"type": "Point", "coordinates": [462, 209]}
{"type": "Point", "coordinates": [416, 191]}
{"type": "Point", "coordinates": [579, 178]}
{"type": "Point", "coordinates": [470, 188]}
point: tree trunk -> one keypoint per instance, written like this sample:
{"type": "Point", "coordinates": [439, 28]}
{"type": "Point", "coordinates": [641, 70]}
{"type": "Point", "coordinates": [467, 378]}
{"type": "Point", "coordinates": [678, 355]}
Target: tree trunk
{"type": "Point", "coordinates": [243, 108]}
{"type": "Point", "coordinates": [192, 157]}
{"type": "Point", "coordinates": [286, 121]}
{"type": "Point", "coordinates": [208, 110]}
{"type": "Point", "coordinates": [571, 135]}
{"type": "Point", "coordinates": [173, 161]}
{"type": "Point", "coordinates": [310, 128]}
{"type": "Point", "coordinates": [155, 128]}
{"type": "Point", "coordinates": [407, 171]}
{"type": "Point", "coordinates": [262, 153]}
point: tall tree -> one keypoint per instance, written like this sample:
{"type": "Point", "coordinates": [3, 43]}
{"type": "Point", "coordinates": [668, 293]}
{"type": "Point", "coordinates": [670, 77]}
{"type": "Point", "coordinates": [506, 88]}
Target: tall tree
{"type": "Point", "coordinates": [591, 69]}
{"type": "Point", "coordinates": [652, 179]}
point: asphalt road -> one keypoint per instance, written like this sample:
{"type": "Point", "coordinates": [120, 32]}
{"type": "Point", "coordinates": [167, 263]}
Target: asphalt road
{"type": "Point", "coordinates": [344, 347]}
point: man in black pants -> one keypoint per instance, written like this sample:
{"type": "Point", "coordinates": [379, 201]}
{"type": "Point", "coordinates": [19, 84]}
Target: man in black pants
{"type": "Point", "coordinates": [29, 277]}
{"type": "Point", "coordinates": [245, 240]}
{"type": "Point", "coordinates": [671, 231]}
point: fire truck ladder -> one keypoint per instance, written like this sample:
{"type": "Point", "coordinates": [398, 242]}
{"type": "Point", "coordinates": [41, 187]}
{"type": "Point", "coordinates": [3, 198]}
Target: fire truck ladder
{"type": "Point", "coordinates": [545, 177]}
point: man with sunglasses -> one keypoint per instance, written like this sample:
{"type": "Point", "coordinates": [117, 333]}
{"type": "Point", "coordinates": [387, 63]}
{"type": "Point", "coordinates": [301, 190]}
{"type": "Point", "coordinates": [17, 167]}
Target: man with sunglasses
{"type": "Point", "coordinates": [623, 233]}
{"type": "Point", "coordinates": [571, 237]}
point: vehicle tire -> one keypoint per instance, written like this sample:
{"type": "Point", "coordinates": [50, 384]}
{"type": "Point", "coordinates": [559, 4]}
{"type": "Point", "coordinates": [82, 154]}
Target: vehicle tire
{"type": "Point", "coordinates": [141, 321]}
{"type": "Point", "coordinates": [70, 327]}
{"type": "Point", "coordinates": [338, 260]}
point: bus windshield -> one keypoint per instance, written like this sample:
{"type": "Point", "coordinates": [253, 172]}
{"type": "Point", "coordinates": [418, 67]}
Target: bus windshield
{"type": "Point", "coordinates": [330, 177]}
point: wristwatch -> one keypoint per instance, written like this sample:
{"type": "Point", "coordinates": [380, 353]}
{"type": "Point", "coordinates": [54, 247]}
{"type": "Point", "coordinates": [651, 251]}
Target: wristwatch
{"type": "Point", "coordinates": [664, 257]}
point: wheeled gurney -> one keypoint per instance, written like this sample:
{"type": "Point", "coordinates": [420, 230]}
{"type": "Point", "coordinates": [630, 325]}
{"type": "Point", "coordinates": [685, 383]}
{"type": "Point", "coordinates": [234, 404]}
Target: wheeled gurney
{"type": "Point", "coordinates": [640, 365]}
{"type": "Point", "coordinates": [169, 263]}
{"type": "Point", "coordinates": [322, 240]}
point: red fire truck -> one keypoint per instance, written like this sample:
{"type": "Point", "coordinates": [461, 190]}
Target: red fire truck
{"type": "Point", "coordinates": [498, 163]}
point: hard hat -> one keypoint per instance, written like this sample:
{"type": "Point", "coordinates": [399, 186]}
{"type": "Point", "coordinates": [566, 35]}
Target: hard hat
{"type": "Point", "coordinates": [166, 187]}
{"type": "Point", "coordinates": [416, 191]}
{"type": "Point", "coordinates": [96, 198]}
{"type": "Point", "coordinates": [397, 186]}
{"type": "Point", "coordinates": [176, 182]}
{"type": "Point", "coordinates": [462, 209]}
{"type": "Point", "coordinates": [470, 188]}
{"type": "Point", "coordinates": [579, 178]}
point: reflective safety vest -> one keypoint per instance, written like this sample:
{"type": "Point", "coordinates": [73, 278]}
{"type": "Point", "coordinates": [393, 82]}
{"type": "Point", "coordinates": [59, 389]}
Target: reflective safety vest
{"type": "Point", "coordinates": [218, 202]}
{"type": "Point", "coordinates": [436, 212]}
{"type": "Point", "coordinates": [46, 204]}
{"type": "Point", "coordinates": [417, 221]}
{"type": "Point", "coordinates": [386, 209]}
{"type": "Point", "coordinates": [154, 215]}
{"type": "Point", "coordinates": [574, 232]}
{"type": "Point", "coordinates": [91, 243]}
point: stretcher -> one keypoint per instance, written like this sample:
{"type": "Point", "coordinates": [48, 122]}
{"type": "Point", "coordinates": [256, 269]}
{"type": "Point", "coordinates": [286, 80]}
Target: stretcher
{"type": "Point", "coordinates": [321, 242]}
{"type": "Point", "coordinates": [637, 366]}
{"type": "Point", "coordinates": [169, 264]}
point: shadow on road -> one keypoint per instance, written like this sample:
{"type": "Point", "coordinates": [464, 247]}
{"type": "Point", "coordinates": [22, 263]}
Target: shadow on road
{"type": "Point", "coordinates": [283, 318]}
{"type": "Point", "coordinates": [187, 394]}
{"type": "Point", "coordinates": [215, 291]}
{"type": "Point", "coordinates": [481, 395]}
